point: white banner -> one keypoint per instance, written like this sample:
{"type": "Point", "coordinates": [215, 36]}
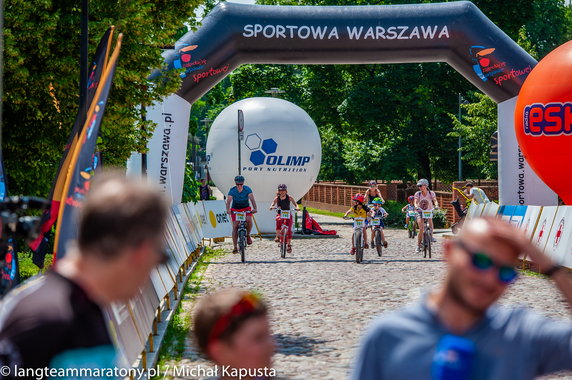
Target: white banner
{"type": "Point", "coordinates": [167, 147]}
{"type": "Point", "coordinates": [214, 219]}
{"type": "Point", "coordinates": [518, 184]}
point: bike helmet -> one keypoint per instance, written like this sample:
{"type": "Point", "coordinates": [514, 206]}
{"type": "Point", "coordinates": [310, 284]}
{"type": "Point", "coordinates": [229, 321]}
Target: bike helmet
{"type": "Point", "coordinates": [372, 183]}
{"type": "Point", "coordinates": [377, 201]}
{"type": "Point", "coordinates": [359, 198]}
{"type": "Point", "coordinates": [282, 186]}
{"type": "Point", "coordinates": [239, 179]}
{"type": "Point", "coordinates": [422, 182]}
{"type": "Point", "coordinates": [410, 198]}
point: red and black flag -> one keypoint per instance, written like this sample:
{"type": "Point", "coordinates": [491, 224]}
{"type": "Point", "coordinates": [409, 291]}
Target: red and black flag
{"type": "Point", "coordinates": [99, 65]}
{"type": "Point", "coordinates": [81, 168]}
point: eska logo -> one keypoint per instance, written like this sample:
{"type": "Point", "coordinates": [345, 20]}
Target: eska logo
{"type": "Point", "coordinates": [552, 119]}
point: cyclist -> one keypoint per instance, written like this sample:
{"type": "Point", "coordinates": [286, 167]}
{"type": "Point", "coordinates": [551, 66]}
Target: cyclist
{"type": "Point", "coordinates": [425, 200]}
{"type": "Point", "coordinates": [283, 201]}
{"type": "Point", "coordinates": [378, 212]}
{"type": "Point", "coordinates": [408, 207]}
{"type": "Point", "coordinates": [238, 200]}
{"type": "Point", "coordinates": [373, 192]}
{"type": "Point", "coordinates": [359, 210]}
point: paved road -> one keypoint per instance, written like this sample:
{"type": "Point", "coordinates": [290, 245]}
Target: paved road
{"type": "Point", "coordinates": [321, 300]}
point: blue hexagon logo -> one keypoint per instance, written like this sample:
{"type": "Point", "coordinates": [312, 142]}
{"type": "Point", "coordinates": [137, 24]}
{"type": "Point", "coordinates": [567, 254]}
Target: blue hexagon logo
{"type": "Point", "coordinates": [269, 146]}
{"type": "Point", "coordinates": [257, 157]}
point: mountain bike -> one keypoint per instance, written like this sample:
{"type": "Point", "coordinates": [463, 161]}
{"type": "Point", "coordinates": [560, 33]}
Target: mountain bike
{"type": "Point", "coordinates": [376, 231]}
{"type": "Point", "coordinates": [241, 233]}
{"type": "Point", "coordinates": [427, 236]}
{"type": "Point", "coordinates": [285, 216]}
{"type": "Point", "coordinates": [359, 242]}
{"type": "Point", "coordinates": [412, 225]}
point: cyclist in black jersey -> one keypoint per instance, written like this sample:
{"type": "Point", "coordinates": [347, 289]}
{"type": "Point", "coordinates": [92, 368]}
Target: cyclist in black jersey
{"type": "Point", "coordinates": [283, 201]}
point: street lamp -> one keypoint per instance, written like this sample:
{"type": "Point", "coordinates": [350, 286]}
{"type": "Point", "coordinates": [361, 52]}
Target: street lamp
{"type": "Point", "coordinates": [459, 154]}
{"type": "Point", "coordinates": [274, 91]}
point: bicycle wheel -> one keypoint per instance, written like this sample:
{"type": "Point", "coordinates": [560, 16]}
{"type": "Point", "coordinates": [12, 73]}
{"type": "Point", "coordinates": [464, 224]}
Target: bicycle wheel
{"type": "Point", "coordinates": [242, 243]}
{"type": "Point", "coordinates": [358, 241]}
{"type": "Point", "coordinates": [283, 242]}
{"type": "Point", "coordinates": [426, 241]}
{"type": "Point", "coordinates": [409, 231]}
{"type": "Point", "coordinates": [378, 245]}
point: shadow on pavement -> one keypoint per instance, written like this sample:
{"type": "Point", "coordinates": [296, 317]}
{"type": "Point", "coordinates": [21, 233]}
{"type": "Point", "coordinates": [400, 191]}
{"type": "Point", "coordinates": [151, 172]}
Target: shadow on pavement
{"type": "Point", "coordinates": [297, 345]}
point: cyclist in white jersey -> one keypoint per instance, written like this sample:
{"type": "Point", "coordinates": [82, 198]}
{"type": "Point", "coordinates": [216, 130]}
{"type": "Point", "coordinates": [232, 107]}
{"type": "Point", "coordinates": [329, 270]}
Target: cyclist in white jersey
{"type": "Point", "coordinates": [425, 200]}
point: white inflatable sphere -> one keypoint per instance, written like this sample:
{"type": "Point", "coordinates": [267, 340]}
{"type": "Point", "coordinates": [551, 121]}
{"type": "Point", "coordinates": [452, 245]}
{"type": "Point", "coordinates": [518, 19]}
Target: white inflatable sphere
{"type": "Point", "coordinates": [281, 144]}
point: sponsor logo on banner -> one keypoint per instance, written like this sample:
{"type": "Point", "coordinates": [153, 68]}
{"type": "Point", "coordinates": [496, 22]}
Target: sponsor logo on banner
{"type": "Point", "coordinates": [559, 233]}
{"type": "Point", "coordinates": [214, 219]}
{"type": "Point", "coordinates": [553, 119]}
{"type": "Point", "coordinates": [541, 233]}
{"type": "Point", "coordinates": [324, 32]}
{"type": "Point", "coordinates": [186, 61]}
{"type": "Point", "coordinates": [265, 156]}
{"type": "Point", "coordinates": [487, 67]}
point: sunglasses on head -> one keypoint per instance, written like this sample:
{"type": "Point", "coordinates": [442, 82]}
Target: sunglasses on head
{"type": "Point", "coordinates": [481, 261]}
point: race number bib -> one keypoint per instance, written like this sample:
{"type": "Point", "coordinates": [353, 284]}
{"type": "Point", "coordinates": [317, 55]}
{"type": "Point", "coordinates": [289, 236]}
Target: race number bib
{"type": "Point", "coordinates": [376, 222]}
{"type": "Point", "coordinates": [427, 214]}
{"type": "Point", "coordinates": [285, 214]}
{"type": "Point", "coordinates": [411, 213]}
{"type": "Point", "coordinates": [241, 216]}
{"type": "Point", "coordinates": [358, 222]}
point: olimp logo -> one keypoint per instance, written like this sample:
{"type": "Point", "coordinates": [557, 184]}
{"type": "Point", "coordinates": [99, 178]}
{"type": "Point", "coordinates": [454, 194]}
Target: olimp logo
{"type": "Point", "coordinates": [265, 156]}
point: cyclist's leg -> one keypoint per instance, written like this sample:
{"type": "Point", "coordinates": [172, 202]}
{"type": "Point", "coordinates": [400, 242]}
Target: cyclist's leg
{"type": "Point", "coordinates": [289, 234]}
{"type": "Point", "coordinates": [235, 235]}
{"type": "Point", "coordinates": [278, 229]}
{"type": "Point", "coordinates": [431, 227]}
{"type": "Point", "coordinates": [420, 226]}
{"type": "Point", "coordinates": [365, 237]}
{"type": "Point", "coordinates": [248, 224]}
{"type": "Point", "coordinates": [406, 221]}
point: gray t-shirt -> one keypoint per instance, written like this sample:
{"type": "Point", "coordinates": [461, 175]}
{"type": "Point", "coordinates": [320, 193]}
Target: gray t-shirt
{"type": "Point", "coordinates": [511, 343]}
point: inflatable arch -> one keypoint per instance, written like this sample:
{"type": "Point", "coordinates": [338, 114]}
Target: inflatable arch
{"type": "Point", "coordinates": [457, 33]}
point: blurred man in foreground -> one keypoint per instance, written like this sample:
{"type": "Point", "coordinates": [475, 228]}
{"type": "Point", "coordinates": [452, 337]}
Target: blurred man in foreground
{"type": "Point", "coordinates": [57, 320]}
{"type": "Point", "coordinates": [457, 332]}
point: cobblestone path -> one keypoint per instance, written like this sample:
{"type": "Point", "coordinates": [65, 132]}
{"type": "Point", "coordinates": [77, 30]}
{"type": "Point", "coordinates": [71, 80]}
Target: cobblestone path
{"type": "Point", "coordinates": [321, 300]}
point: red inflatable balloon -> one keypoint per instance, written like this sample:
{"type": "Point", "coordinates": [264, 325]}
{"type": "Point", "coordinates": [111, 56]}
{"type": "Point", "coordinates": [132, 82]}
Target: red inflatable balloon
{"type": "Point", "coordinates": [543, 120]}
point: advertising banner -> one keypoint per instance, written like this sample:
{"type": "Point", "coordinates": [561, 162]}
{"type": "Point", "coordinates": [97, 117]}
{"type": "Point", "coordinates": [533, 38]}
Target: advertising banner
{"type": "Point", "coordinates": [559, 243]}
{"type": "Point", "coordinates": [168, 146]}
{"type": "Point", "coordinates": [518, 215]}
{"type": "Point", "coordinates": [472, 212]}
{"type": "Point", "coordinates": [505, 212]}
{"type": "Point", "coordinates": [530, 220]}
{"type": "Point", "coordinates": [491, 209]}
{"type": "Point", "coordinates": [518, 183]}
{"type": "Point", "coordinates": [215, 221]}
{"type": "Point", "coordinates": [544, 226]}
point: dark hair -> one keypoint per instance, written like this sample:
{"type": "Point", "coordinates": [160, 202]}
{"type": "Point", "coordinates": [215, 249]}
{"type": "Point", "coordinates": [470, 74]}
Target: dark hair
{"type": "Point", "coordinates": [118, 214]}
{"type": "Point", "coordinates": [211, 308]}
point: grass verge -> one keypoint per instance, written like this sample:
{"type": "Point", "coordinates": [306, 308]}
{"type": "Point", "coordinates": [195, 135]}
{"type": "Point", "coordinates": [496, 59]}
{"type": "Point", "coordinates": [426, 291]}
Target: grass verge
{"type": "Point", "coordinates": [173, 345]}
{"type": "Point", "coordinates": [324, 212]}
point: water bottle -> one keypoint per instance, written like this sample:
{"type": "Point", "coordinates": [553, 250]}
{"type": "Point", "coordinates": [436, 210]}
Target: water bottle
{"type": "Point", "coordinates": [453, 358]}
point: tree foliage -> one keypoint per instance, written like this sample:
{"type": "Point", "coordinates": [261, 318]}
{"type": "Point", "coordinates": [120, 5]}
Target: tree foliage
{"type": "Point", "coordinates": [41, 79]}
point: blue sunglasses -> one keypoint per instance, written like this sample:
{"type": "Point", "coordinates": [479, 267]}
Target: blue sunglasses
{"type": "Point", "coordinates": [506, 273]}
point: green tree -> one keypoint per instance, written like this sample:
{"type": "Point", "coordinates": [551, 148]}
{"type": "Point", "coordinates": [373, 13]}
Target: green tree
{"type": "Point", "coordinates": [41, 79]}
